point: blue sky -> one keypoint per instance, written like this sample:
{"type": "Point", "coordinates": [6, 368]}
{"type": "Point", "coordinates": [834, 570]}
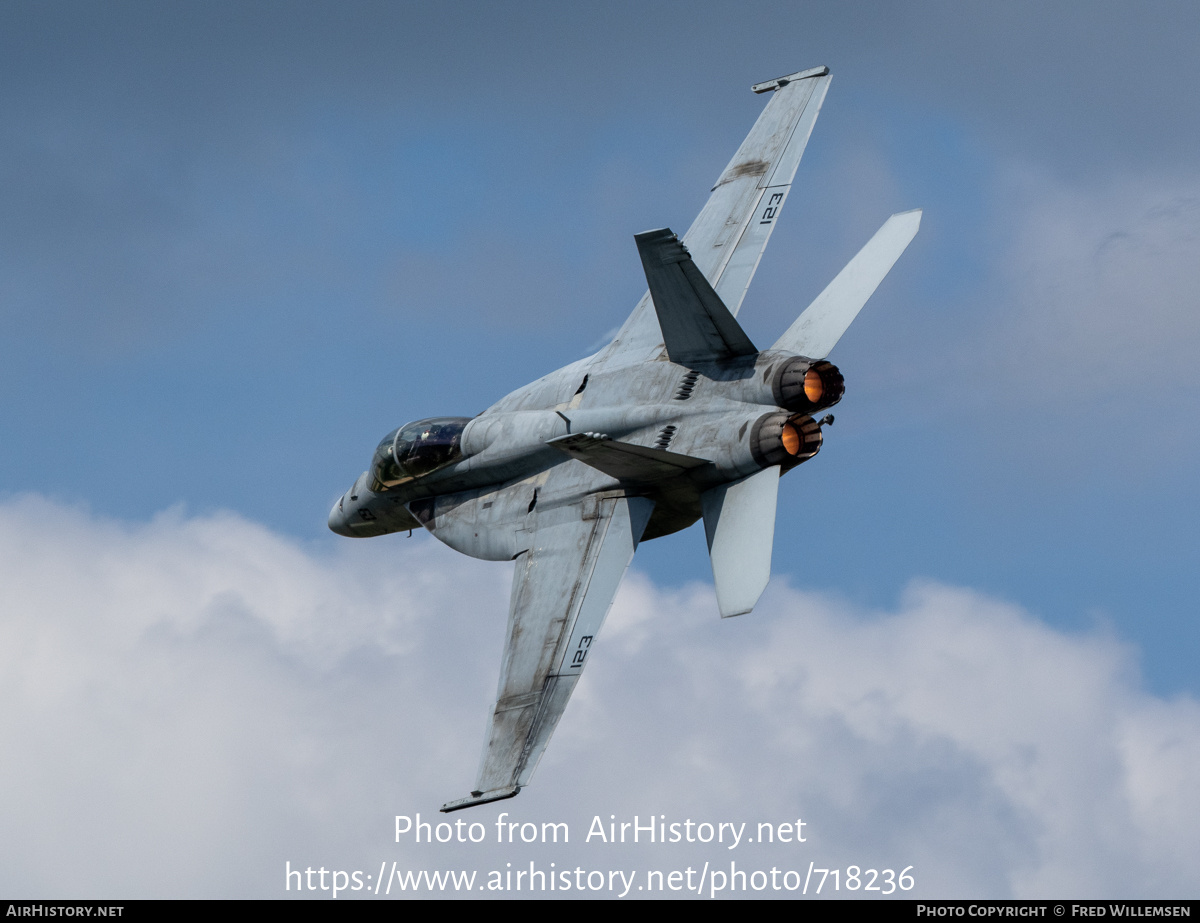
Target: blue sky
{"type": "Point", "coordinates": [240, 242]}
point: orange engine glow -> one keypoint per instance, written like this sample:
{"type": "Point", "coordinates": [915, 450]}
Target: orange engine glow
{"type": "Point", "coordinates": [791, 439]}
{"type": "Point", "coordinates": [813, 386]}
{"type": "Point", "coordinates": [785, 439]}
{"type": "Point", "coordinates": [805, 385]}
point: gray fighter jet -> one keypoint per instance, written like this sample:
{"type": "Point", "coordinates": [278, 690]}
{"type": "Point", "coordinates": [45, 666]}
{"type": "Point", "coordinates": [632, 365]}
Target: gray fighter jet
{"type": "Point", "coordinates": [679, 418]}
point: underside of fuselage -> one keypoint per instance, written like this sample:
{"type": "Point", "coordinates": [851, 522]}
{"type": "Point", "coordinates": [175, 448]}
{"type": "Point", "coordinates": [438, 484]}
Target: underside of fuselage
{"type": "Point", "coordinates": [676, 506]}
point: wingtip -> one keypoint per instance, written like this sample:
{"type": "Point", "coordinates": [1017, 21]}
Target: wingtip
{"type": "Point", "coordinates": [475, 798]}
{"type": "Point", "coordinates": [768, 85]}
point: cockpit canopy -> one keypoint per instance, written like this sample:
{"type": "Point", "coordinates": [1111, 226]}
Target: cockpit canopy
{"type": "Point", "coordinates": [416, 449]}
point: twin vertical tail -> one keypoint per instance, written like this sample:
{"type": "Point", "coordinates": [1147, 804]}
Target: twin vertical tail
{"type": "Point", "coordinates": [696, 300]}
{"type": "Point", "coordinates": [739, 518]}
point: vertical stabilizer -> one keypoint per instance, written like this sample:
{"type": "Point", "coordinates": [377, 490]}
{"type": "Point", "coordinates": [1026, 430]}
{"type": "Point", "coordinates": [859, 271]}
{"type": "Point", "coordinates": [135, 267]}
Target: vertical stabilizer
{"type": "Point", "coordinates": [823, 322]}
{"type": "Point", "coordinates": [739, 521]}
{"type": "Point", "coordinates": [696, 325]}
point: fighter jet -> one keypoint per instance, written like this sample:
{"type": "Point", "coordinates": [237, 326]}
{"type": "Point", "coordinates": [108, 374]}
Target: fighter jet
{"type": "Point", "coordinates": [681, 417]}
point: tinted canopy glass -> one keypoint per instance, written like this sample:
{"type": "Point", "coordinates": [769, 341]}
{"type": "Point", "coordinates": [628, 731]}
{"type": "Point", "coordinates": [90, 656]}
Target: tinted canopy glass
{"type": "Point", "coordinates": [416, 449]}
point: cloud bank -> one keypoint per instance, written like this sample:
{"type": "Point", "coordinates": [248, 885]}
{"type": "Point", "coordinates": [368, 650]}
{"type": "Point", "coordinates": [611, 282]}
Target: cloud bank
{"type": "Point", "coordinates": [189, 703]}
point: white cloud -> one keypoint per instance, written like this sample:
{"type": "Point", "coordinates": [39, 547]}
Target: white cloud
{"type": "Point", "coordinates": [1011, 758]}
{"type": "Point", "coordinates": [187, 704]}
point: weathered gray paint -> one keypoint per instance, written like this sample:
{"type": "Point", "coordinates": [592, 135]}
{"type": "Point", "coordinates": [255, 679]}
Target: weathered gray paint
{"type": "Point", "coordinates": [680, 416]}
{"type": "Point", "coordinates": [739, 523]}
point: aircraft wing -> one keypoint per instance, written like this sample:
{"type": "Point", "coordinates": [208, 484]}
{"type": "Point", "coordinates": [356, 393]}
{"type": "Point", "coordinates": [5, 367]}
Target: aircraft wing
{"type": "Point", "coordinates": [728, 237]}
{"type": "Point", "coordinates": [562, 591]}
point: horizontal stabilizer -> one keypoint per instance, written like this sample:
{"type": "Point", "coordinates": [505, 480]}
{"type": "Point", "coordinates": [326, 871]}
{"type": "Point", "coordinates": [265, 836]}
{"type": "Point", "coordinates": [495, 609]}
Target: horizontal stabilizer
{"type": "Point", "coordinates": [739, 522]}
{"type": "Point", "coordinates": [822, 324]}
{"type": "Point", "coordinates": [623, 461]}
{"type": "Point", "coordinates": [696, 325]}
{"type": "Point", "coordinates": [498, 794]}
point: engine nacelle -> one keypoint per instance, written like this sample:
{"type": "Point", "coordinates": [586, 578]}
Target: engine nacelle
{"type": "Point", "coordinates": [785, 439]}
{"type": "Point", "coordinates": [807, 385]}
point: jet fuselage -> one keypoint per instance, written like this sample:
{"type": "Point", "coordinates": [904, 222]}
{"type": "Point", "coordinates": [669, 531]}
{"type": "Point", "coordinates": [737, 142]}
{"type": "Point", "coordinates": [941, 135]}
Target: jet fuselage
{"type": "Point", "coordinates": [732, 415]}
{"type": "Point", "coordinates": [680, 417]}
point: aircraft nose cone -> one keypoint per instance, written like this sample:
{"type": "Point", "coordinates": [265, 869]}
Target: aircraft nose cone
{"type": "Point", "coordinates": [337, 521]}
